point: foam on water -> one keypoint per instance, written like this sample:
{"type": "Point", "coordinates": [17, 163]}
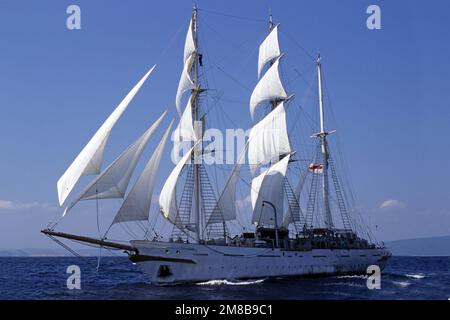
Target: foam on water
{"type": "Point", "coordinates": [402, 284]}
{"type": "Point", "coordinates": [415, 276]}
{"type": "Point", "coordinates": [230, 283]}
{"type": "Point", "coordinates": [356, 276]}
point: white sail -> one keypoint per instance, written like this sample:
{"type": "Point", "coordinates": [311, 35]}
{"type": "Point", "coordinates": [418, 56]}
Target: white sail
{"type": "Point", "coordinates": [268, 139]}
{"type": "Point", "coordinates": [136, 205]}
{"type": "Point", "coordinates": [185, 130]}
{"type": "Point", "coordinates": [227, 200]}
{"type": "Point", "coordinates": [90, 158]}
{"type": "Point", "coordinates": [186, 82]}
{"type": "Point", "coordinates": [189, 44]}
{"type": "Point", "coordinates": [168, 195]}
{"type": "Point", "coordinates": [113, 181]}
{"type": "Point", "coordinates": [268, 50]}
{"type": "Point", "coordinates": [268, 186]}
{"type": "Point", "coordinates": [94, 166]}
{"type": "Point", "coordinates": [269, 87]}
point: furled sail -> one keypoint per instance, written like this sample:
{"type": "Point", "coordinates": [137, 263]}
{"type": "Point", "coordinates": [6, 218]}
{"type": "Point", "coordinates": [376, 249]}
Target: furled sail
{"type": "Point", "coordinates": [268, 186]}
{"type": "Point", "coordinates": [113, 181]}
{"type": "Point", "coordinates": [136, 205]}
{"type": "Point", "coordinates": [268, 139]}
{"type": "Point", "coordinates": [168, 195]}
{"type": "Point", "coordinates": [268, 50]}
{"type": "Point", "coordinates": [185, 129]}
{"type": "Point", "coordinates": [90, 158]}
{"type": "Point", "coordinates": [268, 88]}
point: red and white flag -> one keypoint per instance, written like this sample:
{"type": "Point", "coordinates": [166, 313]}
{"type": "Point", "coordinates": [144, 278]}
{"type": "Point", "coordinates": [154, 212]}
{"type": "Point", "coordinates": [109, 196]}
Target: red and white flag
{"type": "Point", "coordinates": [316, 168]}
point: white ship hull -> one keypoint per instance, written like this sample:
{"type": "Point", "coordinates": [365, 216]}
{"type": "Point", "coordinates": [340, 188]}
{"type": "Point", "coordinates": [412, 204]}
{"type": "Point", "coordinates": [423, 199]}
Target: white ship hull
{"type": "Point", "coordinates": [167, 262]}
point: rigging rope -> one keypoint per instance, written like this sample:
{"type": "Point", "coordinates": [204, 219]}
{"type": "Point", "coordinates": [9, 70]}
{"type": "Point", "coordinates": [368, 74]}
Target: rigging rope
{"type": "Point", "coordinates": [232, 16]}
{"type": "Point", "coordinates": [98, 228]}
{"type": "Point", "coordinates": [298, 45]}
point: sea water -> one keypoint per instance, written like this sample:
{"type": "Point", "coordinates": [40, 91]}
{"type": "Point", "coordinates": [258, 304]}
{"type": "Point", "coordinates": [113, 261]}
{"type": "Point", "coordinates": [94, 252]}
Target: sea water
{"type": "Point", "coordinates": [118, 278]}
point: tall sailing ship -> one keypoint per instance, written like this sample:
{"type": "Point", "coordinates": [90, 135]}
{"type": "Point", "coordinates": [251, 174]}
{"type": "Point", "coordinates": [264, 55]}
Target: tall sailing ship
{"type": "Point", "coordinates": [289, 238]}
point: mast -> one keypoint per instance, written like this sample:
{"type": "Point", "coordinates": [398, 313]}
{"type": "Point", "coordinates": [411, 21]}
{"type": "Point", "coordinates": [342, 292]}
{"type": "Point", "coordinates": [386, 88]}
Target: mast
{"type": "Point", "coordinates": [322, 135]}
{"type": "Point", "coordinates": [195, 117]}
{"type": "Point", "coordinates": [270, 22]}
{"type": "Point", "coordinates": [197, 213]}
{"type": "Point", "coordinates": [273, 105]}
{"type": "Point", "coordinates": [268, 138]}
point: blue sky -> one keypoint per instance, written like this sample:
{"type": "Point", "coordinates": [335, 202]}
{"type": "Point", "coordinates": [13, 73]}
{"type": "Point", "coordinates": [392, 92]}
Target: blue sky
{"type": "Point", "coordinates": [388, 90]}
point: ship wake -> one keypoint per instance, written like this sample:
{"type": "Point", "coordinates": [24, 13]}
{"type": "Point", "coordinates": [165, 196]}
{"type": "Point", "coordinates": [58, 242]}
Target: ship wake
{"type": "Point", "coordinates": [230, 283]}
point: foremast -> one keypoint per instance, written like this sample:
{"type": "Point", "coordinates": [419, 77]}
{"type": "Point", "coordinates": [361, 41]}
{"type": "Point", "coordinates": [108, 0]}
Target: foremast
{"type": "Point", "coordinates": [197, 216]}
{"type": "Point", "coordinates": [198, 131]}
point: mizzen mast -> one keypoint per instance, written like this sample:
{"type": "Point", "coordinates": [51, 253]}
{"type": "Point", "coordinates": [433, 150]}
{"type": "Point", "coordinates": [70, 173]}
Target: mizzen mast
{"type": "Point", "coordinates": [322, 135]}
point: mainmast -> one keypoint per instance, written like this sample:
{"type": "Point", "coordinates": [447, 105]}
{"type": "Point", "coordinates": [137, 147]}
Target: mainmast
{"type": "Point", "coordinates": [322, 135]}
{"type": "Point", "coordinates": [268, 139]}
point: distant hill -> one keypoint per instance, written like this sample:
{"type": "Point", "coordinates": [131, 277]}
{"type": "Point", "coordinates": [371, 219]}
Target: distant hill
{"type": "Point", "coordinates": [57, 252]}
{"type": "Point", "coordinates": [435, 246]}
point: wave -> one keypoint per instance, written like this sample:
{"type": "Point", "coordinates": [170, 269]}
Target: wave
{"type": "Point", "coordinates": [415, 276]}
{"type": "Point", "coordinates": [230, 283]}
{"type": "Point", "coordinates": [402, 284]}
{"type": "Point", "coordinates": [346, 284]}
{"type": "Point", "coordinates": [356, 276]}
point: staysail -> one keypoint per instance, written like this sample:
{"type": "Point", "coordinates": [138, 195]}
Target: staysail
{"type": "Point", "coordinates": [227, 200]}
{"type": "Point", "coordinates": [136, 205]}
{"type": "Point", "coordinates": [89, 160]}
{"type": "Point", "coordinates": [113, 181]}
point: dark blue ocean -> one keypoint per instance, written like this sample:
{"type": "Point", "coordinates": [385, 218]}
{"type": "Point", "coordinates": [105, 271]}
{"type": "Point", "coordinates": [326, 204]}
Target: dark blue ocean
{"type": "Point", "coordinates": [45, 278]}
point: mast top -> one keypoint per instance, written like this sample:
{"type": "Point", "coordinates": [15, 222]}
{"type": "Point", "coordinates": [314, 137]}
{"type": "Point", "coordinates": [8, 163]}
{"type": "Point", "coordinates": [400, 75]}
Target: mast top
{"type": "Point", "coordinates": [270, 21]}
{"type": "Point", "coordinates": [194, 16]}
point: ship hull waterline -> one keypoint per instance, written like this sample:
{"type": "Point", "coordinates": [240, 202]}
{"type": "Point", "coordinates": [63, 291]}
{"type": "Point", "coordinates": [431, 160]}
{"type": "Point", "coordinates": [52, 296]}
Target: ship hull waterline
{"type": "Point", "coordinates": [171, 262]}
